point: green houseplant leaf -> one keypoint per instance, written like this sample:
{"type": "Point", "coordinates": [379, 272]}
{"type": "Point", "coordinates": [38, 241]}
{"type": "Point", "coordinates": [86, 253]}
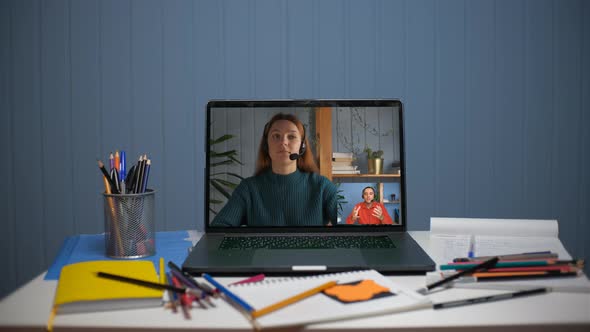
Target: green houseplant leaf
{"type": "Point", "coordinates": [220, 181]}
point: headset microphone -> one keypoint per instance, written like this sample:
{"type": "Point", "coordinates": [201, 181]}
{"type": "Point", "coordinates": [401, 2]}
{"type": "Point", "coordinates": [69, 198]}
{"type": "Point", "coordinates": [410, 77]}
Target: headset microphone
{"type": "Point", "coordinates": [294, 156]}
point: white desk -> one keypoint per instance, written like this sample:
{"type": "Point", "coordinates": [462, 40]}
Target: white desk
{"type": "Point", "coordinates": [27, 309]}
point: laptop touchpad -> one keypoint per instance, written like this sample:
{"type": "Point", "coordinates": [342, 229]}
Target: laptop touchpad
{"type": "Point", "coordinates": [327, 257]}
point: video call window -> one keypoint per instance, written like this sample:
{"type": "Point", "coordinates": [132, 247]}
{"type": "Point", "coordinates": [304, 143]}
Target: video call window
{"type": "Point", "coordinates": [235, 133]}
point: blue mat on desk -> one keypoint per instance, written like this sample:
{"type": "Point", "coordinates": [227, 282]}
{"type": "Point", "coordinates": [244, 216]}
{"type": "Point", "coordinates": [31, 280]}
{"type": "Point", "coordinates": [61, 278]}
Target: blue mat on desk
{"type": "Point", "coordinates": [173, 246]}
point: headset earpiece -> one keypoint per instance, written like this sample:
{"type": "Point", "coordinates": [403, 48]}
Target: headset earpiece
{"type": "Point", "coordinates": [302, 149]}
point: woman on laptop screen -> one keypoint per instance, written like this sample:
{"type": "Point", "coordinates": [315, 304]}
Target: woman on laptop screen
{"type": "Point", "coordinates": [286, 189]}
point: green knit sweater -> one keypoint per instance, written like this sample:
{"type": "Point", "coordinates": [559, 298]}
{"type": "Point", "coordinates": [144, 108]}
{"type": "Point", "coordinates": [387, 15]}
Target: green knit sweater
{"type": "Point", "coordinates": [269, 199]}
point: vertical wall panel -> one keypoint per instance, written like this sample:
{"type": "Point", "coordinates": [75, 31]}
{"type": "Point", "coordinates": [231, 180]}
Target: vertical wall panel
{"type": "Point", "coordinates": [209, 72]}
{"type": "Point", "coordinates": [508, 115]}
{"type": "Point", "coordinates": [390, 75]}
{"type": "Point", "coordinates": [27, 136]}
{"type": "Point", "coordinates": [450, 109]}
{"type": "Point", "coordinates": [86, 118]}
{"type": "Point", "coordinates": [584, 195]}
{"type": "Point", "coordinates": [361, 48]}
{"type": "Point", "coordinates": [480, 104]}
{"type": "Point", "coordinates": [147, 118]}
{"type": "Point", "coordinates": [116, 107]}
{"type": "Point", "coordinates": [419, 113]}
{"type": "Point", "coordinates": [331, 51]}
{"type": "Point", "coordinates": [567, 120]}
{"type": "Point", "coordinates": [268, 51]}
{"type": "Point", "coordinates": [237, 40]}
{"type": "Point", "coordinates": [9, 244]}
{"type": "Point", "coordinates": [178, 169]}
{"type": "Point", "coordinates": [56, 125]}
{"type": "Point", "coordinates": [538, 118]}
{"type": "Point", "coordinates": [301, 48]}
{"type": "Point", "coordinates": [495, 95]}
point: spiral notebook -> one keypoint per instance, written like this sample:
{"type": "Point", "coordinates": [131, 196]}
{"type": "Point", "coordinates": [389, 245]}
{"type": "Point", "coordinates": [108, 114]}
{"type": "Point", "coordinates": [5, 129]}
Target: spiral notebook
{"type": "Point", "coordinates": [358, 294]}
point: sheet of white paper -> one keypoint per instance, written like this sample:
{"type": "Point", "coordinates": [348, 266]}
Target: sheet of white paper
{"type": "Point", "coordinates": [445, 247]}
{"type": "Point", "coordinates": [505, 245]}
{"type": "Point", "coordinates": [499, 227]}
{"type": "Point", "coordinates": [451, 237]}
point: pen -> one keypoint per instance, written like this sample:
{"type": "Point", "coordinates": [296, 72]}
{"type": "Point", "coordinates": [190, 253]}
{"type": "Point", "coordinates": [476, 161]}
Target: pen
{"type": "Point", "coordinates": [144, 283]}
{"type": "Point", "coordinates": [138, 175]}
{"type": "Point", "coordinates": [129, 179]}
{"type": "Point", "coordinates": [471, 252]}
{"type": "Point", "coordinates": [146, 175]}
{"type": "Point", "coordinates": [485, 265]}
{"type": "Point", "coordinates": [293, 299]}
{"type": "Point", "coordinates": [490, 298]}
{"type": "Point", "coordinates": [106, 174]}
{"type": "Point", "coordinates": [204, 287]}
{"type": "Point", "coordinates": [173, 295]}
{"type": "Point", "coordinates": [123, 166]}
{"type": "Point", "coordinates": [228, 293]}
{"type": "Point", "coordinates": [256, 278]}
{"type": "Point", "coordinates": [115, 178]}
{"type": "Point", "coordinates": [188, 282]}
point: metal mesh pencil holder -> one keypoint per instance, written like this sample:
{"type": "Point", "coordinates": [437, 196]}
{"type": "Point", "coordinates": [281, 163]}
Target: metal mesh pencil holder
{"type": "Point", "coordinates": [130, 225]}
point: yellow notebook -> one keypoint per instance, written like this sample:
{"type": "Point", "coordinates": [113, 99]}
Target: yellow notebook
{"type": "Point", "coordinates": [79, 289]}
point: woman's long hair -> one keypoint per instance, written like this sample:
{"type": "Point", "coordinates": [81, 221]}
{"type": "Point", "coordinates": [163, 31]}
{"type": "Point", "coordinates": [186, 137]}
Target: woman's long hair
{"type": "Point", "coordinates": [305, 163]}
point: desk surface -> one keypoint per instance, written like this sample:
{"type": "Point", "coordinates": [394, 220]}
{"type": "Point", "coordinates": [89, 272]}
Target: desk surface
{"type": "Point", "coordinates": [27, 309]}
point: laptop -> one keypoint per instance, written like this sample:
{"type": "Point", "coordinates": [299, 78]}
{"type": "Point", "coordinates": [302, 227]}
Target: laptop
{"type": "Point", "coordinates": [338, 133]}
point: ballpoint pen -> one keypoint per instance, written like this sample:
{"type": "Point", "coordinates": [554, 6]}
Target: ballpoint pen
{"type": "Point", "coordinates": [485, 265]}
{"type": "Point", "coordinates": [108, 177]}
{"type": "Point", "coordinates": [123, 166]}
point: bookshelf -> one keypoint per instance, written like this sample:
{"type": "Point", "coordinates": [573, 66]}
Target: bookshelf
{"type": "Point", "coordinates": [323, 118]}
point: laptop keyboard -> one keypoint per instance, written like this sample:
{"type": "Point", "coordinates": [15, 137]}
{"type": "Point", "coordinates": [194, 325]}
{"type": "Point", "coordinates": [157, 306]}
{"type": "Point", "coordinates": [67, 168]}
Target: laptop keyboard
{"type": "Point", "coordinates": [306, 242]}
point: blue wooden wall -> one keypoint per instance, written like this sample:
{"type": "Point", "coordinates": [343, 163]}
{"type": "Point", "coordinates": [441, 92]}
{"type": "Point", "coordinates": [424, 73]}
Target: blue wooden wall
{"type": "Point", "coordinates": [496, 93]}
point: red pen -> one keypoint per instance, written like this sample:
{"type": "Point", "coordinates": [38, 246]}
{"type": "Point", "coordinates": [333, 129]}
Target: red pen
{"type": "Point", "coordinates": [258, 277]}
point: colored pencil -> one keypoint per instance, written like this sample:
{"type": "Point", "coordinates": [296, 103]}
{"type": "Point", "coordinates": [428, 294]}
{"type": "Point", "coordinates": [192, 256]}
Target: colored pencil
{"type": "Point", "coordinates": [293, 299]}
{"type": "Point", "coordinates": [233, 297]}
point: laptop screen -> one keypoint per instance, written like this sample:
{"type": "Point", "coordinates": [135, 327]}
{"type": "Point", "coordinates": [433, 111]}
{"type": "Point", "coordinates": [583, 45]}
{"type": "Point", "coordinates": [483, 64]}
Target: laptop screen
{"type": "Point", "coordinates": [320, 164]}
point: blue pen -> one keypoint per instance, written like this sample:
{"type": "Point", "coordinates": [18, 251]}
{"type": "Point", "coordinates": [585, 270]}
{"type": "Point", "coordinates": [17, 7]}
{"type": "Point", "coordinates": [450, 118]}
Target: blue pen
{"type": "Point", "coordinates": [173, 296]}
{"type": "Point", "coordinates": [122, 167]}
{"type": "Point", "coordinates": [228, 293]}
{"type": "Point", "coordinates": [471, 252]}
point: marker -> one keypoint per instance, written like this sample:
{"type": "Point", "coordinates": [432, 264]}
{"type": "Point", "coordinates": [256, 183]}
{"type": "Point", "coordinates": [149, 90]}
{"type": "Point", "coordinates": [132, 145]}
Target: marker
{"type": "Point", "coordinates": [490, 298]}
{"type": "Point", "coordinates": [485, 265]}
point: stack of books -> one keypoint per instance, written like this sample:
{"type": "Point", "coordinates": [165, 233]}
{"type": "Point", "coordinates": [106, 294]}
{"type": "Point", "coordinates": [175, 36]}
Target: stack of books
{"type": "Point", "coordinates": [342, 163]}
{"type": "Point", "coordinates": [527, 265]}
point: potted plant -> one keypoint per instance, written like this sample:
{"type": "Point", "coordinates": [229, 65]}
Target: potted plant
{"type": "Point", "coordinates": [374, 160]}
{"type": "Point", "coordinates": [218, 180]}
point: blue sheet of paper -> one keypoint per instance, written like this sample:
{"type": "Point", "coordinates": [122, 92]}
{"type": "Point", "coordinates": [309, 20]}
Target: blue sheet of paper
{"type": "Point", "coordinates": [173, 246]}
